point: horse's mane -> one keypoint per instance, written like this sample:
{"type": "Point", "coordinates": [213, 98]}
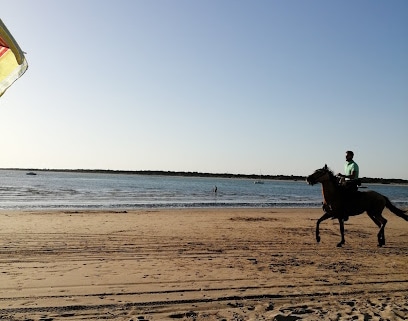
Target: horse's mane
{"type": "Point", "coordinates": [330, 171]}
{"type": "Point", "coordinates": [331, 174]}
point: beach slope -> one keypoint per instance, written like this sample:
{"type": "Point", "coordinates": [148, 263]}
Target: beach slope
{"type": "Point", "coordinates": [199, 264]}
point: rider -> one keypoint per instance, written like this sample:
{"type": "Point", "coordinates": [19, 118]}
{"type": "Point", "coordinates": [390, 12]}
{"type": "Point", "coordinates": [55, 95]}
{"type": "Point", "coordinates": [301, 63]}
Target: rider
{"type": "Point", "coordinates": [351, 169]}
{"type": "Point", "coordinates": [349, 180]}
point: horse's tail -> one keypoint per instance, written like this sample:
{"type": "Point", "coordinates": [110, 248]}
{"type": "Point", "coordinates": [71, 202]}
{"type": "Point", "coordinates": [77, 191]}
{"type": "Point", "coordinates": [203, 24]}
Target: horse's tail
{"type": "Point", "coordinates": [395, 209]}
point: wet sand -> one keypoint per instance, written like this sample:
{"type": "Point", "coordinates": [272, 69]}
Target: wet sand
{"type": "Point", "coordinates": [200, 264]}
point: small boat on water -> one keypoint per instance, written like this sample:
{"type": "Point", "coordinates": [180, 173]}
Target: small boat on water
{"type": "Point", "coordinates": [259, 180]}
{"type": "Point", "coordinates": [31, 173]}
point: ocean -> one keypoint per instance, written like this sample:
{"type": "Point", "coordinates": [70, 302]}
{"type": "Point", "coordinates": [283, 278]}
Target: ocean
{"type": "Point", "coordinates": [78, 190]}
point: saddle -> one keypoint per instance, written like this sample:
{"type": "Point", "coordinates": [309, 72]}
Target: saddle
{"type": "Point", "coordinates": [349, 186]}
{"type": "Point", "coordinates": [350, 192]}
{"type": "Point", "coordinates": [351, 197]}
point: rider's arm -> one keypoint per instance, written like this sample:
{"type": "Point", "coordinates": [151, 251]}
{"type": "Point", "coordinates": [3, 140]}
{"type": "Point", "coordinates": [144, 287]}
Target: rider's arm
{"type": "Point", "coordinates": [351, 176]}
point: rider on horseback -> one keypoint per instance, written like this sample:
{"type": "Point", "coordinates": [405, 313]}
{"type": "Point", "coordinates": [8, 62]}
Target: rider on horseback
{"type": "Point", "coordinates": [349, 181]}
{"type": "Point", "coordinates": [351, 169]}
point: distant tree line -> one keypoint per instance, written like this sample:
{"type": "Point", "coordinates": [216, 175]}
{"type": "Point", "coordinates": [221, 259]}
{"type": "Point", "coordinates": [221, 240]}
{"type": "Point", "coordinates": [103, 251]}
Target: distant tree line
{"type": "Point", "coordinates": [366, 180]}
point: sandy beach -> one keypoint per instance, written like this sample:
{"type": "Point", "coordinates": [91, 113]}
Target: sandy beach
{"type": "Point", "coordinates": [199, 264]}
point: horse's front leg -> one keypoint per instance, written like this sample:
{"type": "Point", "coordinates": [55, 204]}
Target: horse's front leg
{"type": "Point", "coordinates": [323, 218]}
{"type": "Point", "coordinates": [343, 241]}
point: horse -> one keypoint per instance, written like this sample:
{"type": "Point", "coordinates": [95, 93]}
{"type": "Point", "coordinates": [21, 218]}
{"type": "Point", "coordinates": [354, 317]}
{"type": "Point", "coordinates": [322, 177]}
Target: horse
{"type": "Point", "coordinates": [339, 204]}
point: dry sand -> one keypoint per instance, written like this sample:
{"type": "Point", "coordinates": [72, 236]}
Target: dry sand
{"type": "Point", "coordinates": [199, 264]}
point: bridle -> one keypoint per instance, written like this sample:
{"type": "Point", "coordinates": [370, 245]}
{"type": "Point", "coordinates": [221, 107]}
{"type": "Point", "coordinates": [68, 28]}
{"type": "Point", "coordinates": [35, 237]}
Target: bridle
{"type": "Point", "coordinates": [321, 173]}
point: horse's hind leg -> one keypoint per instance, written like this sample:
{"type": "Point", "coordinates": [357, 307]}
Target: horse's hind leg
{"type": "Point", "coordinates": [381, 233]}
{"type": "Point", "coordinates": [343, 241]}
{"type": "Point", "coordinates": [380, 221]}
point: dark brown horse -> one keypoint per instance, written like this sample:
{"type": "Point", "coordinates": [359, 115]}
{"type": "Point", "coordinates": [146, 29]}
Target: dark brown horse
{"type": "Point", "coordinates": [338, 204]}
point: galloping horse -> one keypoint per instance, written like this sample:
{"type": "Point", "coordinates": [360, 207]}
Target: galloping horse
{"type": "Point", "coordinates": [335, 197]}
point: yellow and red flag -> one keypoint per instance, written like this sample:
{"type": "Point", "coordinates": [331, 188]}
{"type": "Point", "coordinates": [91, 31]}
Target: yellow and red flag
{"type": "Point", "coordinates": [12, 61]}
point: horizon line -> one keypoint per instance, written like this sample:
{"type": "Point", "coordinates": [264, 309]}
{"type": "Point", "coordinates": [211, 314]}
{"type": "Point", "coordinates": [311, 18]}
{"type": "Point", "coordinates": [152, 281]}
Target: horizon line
{"type": "Point", "coordinates": [199, 174]}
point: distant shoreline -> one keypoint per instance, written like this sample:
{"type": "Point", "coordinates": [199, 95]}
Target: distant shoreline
{"type": "Point", "coordinates": [367, 180]}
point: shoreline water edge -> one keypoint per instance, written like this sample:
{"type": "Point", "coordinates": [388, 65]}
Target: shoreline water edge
{"type": "Point", "coordinates": [94, 190]}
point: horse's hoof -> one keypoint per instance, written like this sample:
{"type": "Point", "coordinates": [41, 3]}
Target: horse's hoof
{"type": "Point", "coordinates": [318, 239]}
{"type": "Point", "coordinates": [340, 245]}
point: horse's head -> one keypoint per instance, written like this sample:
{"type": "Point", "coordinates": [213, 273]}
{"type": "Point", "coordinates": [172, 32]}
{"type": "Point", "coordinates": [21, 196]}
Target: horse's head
{"type": "Point", "coordinates": [319, 175]}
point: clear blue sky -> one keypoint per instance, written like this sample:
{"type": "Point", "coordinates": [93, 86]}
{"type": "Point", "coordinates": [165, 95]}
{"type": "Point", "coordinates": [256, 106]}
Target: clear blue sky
{"type": "Point", "coordinates": [228, 86]}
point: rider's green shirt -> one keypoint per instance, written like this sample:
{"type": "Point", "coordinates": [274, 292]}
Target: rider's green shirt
{"type": "Point", "coordinates": [350, 167]}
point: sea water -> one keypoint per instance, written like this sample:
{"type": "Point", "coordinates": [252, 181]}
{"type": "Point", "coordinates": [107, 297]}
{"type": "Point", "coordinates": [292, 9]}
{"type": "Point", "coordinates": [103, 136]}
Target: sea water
{"type": "Point", "coordinates": [78, 190]}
